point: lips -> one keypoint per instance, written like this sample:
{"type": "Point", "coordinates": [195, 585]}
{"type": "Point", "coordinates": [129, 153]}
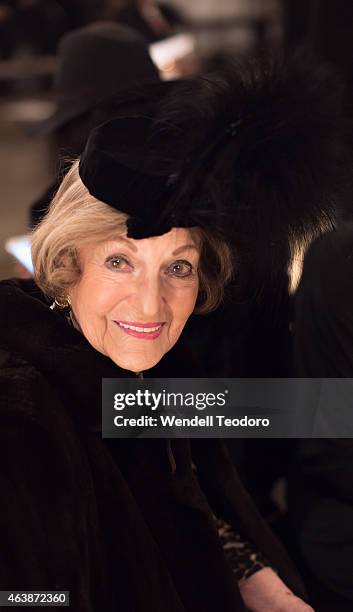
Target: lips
{"type": "Point", "coordinates": [144, 331]}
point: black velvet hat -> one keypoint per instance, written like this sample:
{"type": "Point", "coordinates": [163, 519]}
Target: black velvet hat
{"type": "Point", "coordinates": [141, 177]}
{"type": "Point", "coordinates": [256, 152]}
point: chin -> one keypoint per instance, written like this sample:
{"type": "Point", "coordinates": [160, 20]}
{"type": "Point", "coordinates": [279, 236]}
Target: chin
{"type": "Point", "coordinates": [137, 365]}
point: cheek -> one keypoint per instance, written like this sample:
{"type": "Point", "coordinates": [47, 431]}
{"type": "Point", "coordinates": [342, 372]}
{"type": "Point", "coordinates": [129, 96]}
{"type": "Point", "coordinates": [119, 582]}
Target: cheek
{"type": "Point", "coordinates": [183, 304]}
{"type": "Point", "coordinates": [92, 302]}
{"type": "Point", "coordinates": [97, 298]}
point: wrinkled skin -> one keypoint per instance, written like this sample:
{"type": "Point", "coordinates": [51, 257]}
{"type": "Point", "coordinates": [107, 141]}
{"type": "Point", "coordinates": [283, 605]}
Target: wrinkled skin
{"type": "Point", "coordinates": [149, 281]}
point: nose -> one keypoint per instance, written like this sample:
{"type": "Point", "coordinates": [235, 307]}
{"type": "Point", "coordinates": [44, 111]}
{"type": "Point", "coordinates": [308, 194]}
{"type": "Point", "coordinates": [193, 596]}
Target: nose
{"type": "Point", "coordinates": [149, 297]}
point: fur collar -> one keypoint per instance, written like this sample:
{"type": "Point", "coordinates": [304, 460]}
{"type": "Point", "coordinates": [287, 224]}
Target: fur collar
{"type": "Point", "coordinates": [34, 335]}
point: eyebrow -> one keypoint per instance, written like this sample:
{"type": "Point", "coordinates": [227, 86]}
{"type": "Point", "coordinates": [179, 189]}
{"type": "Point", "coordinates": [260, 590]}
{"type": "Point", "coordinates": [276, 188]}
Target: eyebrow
{"type": "Point", "coordinates": [127, 242]}
{"type": "Point", "coordinates": [185, 247]}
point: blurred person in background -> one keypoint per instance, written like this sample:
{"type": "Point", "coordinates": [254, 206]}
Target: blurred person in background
{"type": "Point", "coordinates": [230, 29]}
{"type": "Point", "coordinates": [7, 28]}
{"type": "Point", "coordinates": [95, 62]}
{"type": "Point", "coordinates": [325, 28]}
{"type": "Point", "coordinates": [41, 25]}
{"type": "Point", "coordinates": [320, 484]}
{"type": "Point", "coordinates": [152, 20]}
{"type": "Point", "coordinates": [81, 12]}
{"type": "Point", "coordinates": [35, 26]}
{"type": "Point", "coordinates": [320, 479]}
{"type": "Point", "coordinates": [300, 22]}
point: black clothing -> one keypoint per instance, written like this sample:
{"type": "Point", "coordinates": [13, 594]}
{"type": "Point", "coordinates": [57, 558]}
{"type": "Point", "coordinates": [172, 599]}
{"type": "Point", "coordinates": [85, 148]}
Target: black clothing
{"type": "Point", "coordinates": [109, 520]}
{"type": "Point", "coordinates": [321, 479]}
{"type": "Point", "coordinates": [324, 308]}
{"type": "Point", "coordinates": [245, 338]}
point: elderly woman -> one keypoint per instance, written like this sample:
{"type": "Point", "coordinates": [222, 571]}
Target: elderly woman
{"type": "Point", "coordinates": [134, 242]}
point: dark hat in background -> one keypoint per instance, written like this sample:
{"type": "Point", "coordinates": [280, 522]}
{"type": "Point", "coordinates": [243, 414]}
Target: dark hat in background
{"type": "Point", "coordinates": [256, 151]}
{"type": "Point", "coordinates": [94, 62]}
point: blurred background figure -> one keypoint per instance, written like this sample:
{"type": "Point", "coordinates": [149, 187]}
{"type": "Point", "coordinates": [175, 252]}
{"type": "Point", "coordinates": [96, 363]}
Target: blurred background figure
{"type": "Point", "coordinates": [159, 25]}
{"type": "Point", "coordinates": [33, 25]}
{"type": "Point", "coordinates": [320, 486]}
{"type": "Point", "coordinates": [7, 28]}
{"type": "Point", "coordinates": [81, 12]}
{"type": "Point", "coordinates": [94, 63]}
{"type": "Point", "coordinates": [320, 483]}
{"type": "Point", "coordinates": [153, 20]}
{"type": "Point", "coordinates": [325, 26]}
{"type": "Point", "coordinates": [227, 28]}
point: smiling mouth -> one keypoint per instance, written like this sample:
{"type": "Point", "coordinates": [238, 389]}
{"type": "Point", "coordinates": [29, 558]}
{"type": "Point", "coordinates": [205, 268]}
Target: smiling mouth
{"type": "Point", "coordinates": [146, 331]}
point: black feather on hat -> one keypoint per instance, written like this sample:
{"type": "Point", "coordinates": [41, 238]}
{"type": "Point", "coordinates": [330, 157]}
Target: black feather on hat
{"type": "Point", "coordinates": [256, 152]}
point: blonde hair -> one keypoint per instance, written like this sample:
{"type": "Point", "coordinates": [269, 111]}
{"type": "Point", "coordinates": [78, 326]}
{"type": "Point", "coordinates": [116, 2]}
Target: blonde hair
{"type": "Point", "coordinates": [75, 218]}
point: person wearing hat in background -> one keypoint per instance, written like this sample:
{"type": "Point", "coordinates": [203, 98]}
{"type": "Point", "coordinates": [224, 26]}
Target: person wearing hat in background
{"type": "Point", "coordinates": [136, 239]}
{"type": "Point", "coordinates": [153, 20]}
{"type": "Point", "coordinates": [94, 62]}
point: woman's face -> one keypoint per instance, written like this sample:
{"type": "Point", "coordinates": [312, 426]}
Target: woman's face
{"type": "Point", "coordinates": [135, 296]}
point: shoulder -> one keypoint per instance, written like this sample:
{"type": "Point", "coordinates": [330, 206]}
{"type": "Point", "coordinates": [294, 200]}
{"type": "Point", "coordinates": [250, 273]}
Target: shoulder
{"type": "Point", "coordinates": [12, 288]}
{"type": "Point", "coordinates": [328, 268]}
{"type": "Point", "coordinates": [21, 301]}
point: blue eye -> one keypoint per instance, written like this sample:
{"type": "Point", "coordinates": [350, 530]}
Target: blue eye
{"type": "Point", "coordinates": [118, 263]}
{"type": "Point", "coordinates": [180, 269]}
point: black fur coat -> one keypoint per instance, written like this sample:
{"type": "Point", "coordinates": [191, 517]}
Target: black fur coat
{"type": "Point", "coordinates": [109, 521]}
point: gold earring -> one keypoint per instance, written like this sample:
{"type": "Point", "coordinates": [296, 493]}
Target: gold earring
{"type": "Point", "coordinates": [61, 304]}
